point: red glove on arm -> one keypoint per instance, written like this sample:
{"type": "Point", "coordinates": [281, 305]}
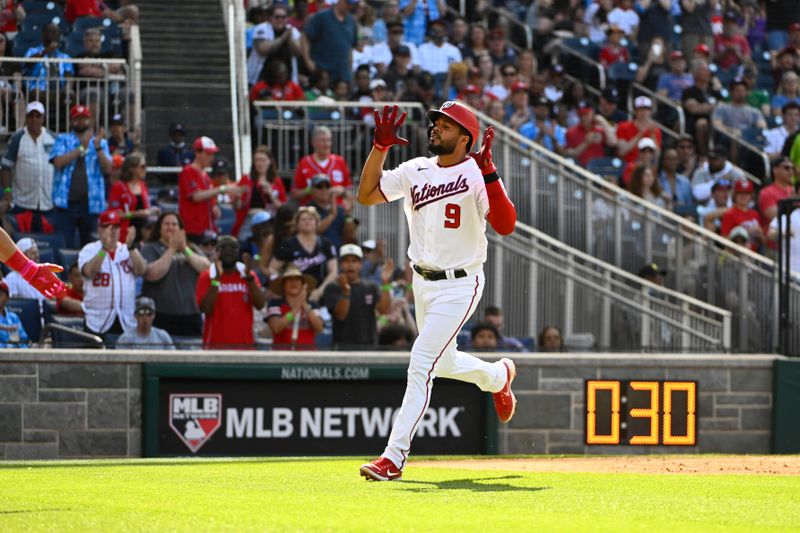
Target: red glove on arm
{"type": "Point", "coordinates": [502, 214]}
{"type": "Point", "coordinates": [41, 277]}
{"type": "Point", "coordinates": [386, 128]}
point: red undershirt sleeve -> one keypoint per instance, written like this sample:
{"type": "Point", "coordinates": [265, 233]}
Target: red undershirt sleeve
{"type": "Point", "coordinates": [502, 214]}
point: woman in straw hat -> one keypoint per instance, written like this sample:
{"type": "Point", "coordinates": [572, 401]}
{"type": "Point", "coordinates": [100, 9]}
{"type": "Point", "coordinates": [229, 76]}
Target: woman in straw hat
{"type": "Point", "coordinates": [291, 318]}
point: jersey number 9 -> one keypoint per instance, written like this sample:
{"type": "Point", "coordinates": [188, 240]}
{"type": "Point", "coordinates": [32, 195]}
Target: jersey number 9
{"type": "Point", "coordinates": [452, 215]}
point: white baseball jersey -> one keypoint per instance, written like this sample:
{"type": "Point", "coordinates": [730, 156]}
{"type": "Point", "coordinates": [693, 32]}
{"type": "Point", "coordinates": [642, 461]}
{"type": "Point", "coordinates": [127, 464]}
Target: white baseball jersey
{"type": "Point", "coordinates": [446, 211]}
{"type": "Point", "coordinates": [112, 291]}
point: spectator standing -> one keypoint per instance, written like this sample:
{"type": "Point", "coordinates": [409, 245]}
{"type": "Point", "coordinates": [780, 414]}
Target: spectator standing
{"type": "Point", "coordinates": [27, 175]}
{"type": "Point", "coordinates": [176, 153]}
{"type": "Point", "coordinates": [353, 302]}
{"type": "Point", "coordinates": [197, 199]}
{"type": "Point", "coordinates": [12, 332]}
{"type": "Point", "coordinates": [741, 214]}
{"type": "Point", "coordinates": [37, 73]}
{"type": "Point", "coordinates": [145, 336]}
{"type": "Point", "coordinates": [781, 188]}
{"type": "Point", "coordinates": [699, 101]}
{"type": "Point", "coordinates": [383, 54]}
{"type": "Point", "coordinates": [173, 266]}
{"type": "Point", "coordinates": [781, 15]}
{"type": "Point", "coordinates": [336, 223]}
{"type": "Point", "coordinates": [129, 195]}
{"type": "Point", "coordinates": [331, 36]}
{"type": "Point", "coordinates": [292, 319]}
{"type": "Point", "coordinates": [275, 41]}
{"type": "Point", "coordinates": [731, 47]}
{"type": "Point", "coordinates": [311, 253]}
{"type": "Point", "coordinates": [322, 161]}
{"type": "Point", "coordinates": [676, 186]}
{"type": "Point", "coordinates": [399, 72]}
{"type": "Point", "coordinates": [227, 293]}
{"type": "Point", "coordinates": [777, 136]}
{"type": "Point", "coordinates": [696, 23]}
{"type": "Point", "coordinates": [626, 18]}
{"type": "Point", "coordinates": [494, 316]}
{"type": "Point", "coordinates": [16, 285]}
{"type": "Point", "coordinates": [81, 159]}
{"type": "Point", "coordinates": [119, 142]}
{"type": "Point", "coordinates": [588, 139]}
{"type": "Point", "coordinates": [109, 269]}
{"type": "Point", "coordinates": [268, 190]}
{"type": "Point", "coordinates": [631, 131]}
{"type": "Point", "coordinates": [416, 16]}
{"type": "Point", "coordinates": [550, 340]}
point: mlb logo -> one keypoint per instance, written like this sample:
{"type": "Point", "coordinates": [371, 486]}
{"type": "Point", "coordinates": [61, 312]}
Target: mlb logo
{"type": "Point", "coordinates": [195, 417]}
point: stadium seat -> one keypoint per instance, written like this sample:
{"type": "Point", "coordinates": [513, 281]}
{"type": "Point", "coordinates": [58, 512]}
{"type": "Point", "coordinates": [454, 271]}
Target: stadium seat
{"type": "Point", "coordinates": [63, 339]}
{"type": "Point", "coordinates": [36, 21]}
{"type": "Point", "coordinates": [30, 315]}
{"type": "Point", "coordinates": [606, 168]}
{"type": "Point", "coordinates": [111, 38]}
{"type": "Point", "coordinates": [583, 46]}
{"type": "Point", "coordinates": [625, 72]}
{"type": "Point", "coordinates": [33, 7]}
{"type": "Point", "coordinates": [226, 221]}
{"type": "Point", "coordinates": [25, 40]}
{"type": "Point", "coordinates": [754, 136]}
{"type": "Point", "coordinates": [66, 257]}
{"type": "Point", "coordinates": [49, 240]}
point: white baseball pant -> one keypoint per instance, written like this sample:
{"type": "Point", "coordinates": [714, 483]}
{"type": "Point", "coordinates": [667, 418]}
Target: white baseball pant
{"type": "Point", "coordinates": [442, 307]}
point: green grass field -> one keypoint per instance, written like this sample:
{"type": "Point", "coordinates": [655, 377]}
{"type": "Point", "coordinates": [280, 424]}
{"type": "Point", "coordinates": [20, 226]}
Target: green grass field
{"type": "Point", "coordinates": [328, 495]}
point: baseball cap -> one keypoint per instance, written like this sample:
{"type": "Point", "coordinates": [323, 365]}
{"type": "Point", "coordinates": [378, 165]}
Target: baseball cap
{"type": "Point", "coordinates": [351, 249]}
{"type": "Point", "coordinates": [702, 48]}
{"type": "Point", "coordinates": [519, 86]}
{"type": "Point", "coordinates": [208, 237]}
{"type": "Point", "coordinates": [584, 107]}
{"type": "Point", "coordinates": [642, 101]}
{"type": "Point", "coordinates": [220, 166]}
{"type": "Point", "coordinates": [34, 106]}
{"type": "Point", "coordinates": [651, 269]}
{"type": "Point", "coordinates": [377, 84]}
{"type": "Point", "coordinates": [260, 218]}
{"type": "Point", "coordinates": [117, 119]}
{"type": "Point", "coordinates": [319, 179]}
{"type": "Point", "coordinates": [145, 306]}
{"type": "Point", "coordinates": [611, 94]}
{"type": "Point", "coordinates": [676, 54]}
{"type": "Point", "coordinates": [645, 143]}
{"type": "Point", "coordinates": [402, 50]}
{"type": "Point", "coordinates": [205, 144]}
{"type": "Point", "coordinates": [471, 89]}
{"type": "Point", "coordinates": [176, 127]}
{"type": "Point", "coordinates": [110, 217]}
{"type": "Point", "coordinates": [25, 244]}
{"type": "Point", "coordinates": [740, 232]}
{"type": "Point", "coordinates": [743, 186]}
{"type": "Point", "coordinates": [369, 245]}
{"type": "Point", "coordinates": [80, 111]}
{"type": "Point", "coordinates": [541, 100]}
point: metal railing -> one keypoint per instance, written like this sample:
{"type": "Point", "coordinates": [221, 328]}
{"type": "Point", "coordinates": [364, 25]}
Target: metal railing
{"type": "Point", "coordinates": [565, 201]}
{"type": "Point", "coordinates": [106, 95]}
{"type": "Point", "coordinates": [587, 62]}
{"type": "Point", "coordinates": [135, 60]}
{"type": "Point", "coordinates": [582, 294]}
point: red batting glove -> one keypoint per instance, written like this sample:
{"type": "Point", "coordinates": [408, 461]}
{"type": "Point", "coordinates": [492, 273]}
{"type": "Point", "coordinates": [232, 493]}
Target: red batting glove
{"type": "Point", "coordinates": [386, 128]}
{"type": "Point", "coordinates": [41, 277]}
{"type": "Point", "coordinates": [484, 157]}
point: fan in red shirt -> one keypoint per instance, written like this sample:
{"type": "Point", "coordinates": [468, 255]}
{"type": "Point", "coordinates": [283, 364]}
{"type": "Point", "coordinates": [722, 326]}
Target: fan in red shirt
{"type": "Point", "coordinates": [587, 140]}
{"type": "Point", "coordinates": [227, 293]}
{"type": "Point", "coordinates": [268, 190]}
{"type": "Point", "coordinates": [613, 51]}
{"type": "Point", "coordinates": [130, 195]}
{"type": "Point", "coordinates": [292, 319]}
{"type": "Point", "coordinates": [630, 131]}
{"type": "Point", "coordinates": [276, 85]}
{"type": "Point", "coordinates": [741, 214]}
{"type": "Point", "coordinates": [780, 189]}
{"type": "Point", "coordinates": [197, 199]}
{"type": "Point", "coordinates": [322, 161]}
{"type": "Point", "coordinates": [730, 47]}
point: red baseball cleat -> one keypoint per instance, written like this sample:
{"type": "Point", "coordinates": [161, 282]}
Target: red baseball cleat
{"type": "Point", "coordinates": [381, 469]}
{"type": "Point", "coordinates": [504, 401]}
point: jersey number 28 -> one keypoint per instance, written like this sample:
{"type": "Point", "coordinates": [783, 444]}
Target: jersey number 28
{"type": "Point", "coordinates": [452, 215]}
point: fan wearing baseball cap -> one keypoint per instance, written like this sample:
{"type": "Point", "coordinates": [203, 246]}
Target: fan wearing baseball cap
{"type": "Point", "coordinates": [630, 132]}
{"type": "Point", "coordinates": [197, 197]}
{"type": "Point", "coordinates": [12, 332]}
{"type": "Point", "coordinates": [81, 160]}
{"type": "Point", "coordinates": [589, 138]}
{"type": "Point", "coordinates": [741, 214]}
{"type": "Point", "coordinates": [730, 47]}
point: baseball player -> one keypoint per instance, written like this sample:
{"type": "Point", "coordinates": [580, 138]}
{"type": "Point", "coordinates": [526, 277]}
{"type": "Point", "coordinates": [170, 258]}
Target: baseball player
{"type": "Point", "coordinates": [41, 276]}
{"type": "Point", "coordinates": [447, 200]}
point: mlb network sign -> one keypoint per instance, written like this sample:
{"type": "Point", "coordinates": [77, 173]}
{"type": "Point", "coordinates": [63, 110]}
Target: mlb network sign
{"type": "Point", "coordinates": [314, 417]}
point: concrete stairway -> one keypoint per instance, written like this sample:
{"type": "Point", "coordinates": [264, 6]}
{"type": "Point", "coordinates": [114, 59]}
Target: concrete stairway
{"type": "Point", "coordinates": [185, 73]}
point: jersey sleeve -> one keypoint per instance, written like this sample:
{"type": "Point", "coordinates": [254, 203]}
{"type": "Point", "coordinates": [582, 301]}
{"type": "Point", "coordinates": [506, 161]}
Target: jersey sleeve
{"type": "Point", "coordinates": [87, 253]}
{"type": "Point", "coordinates": [299, 182]}
{"type": "Point", "coordinates": [482, 198]}
{"type": "Point", "coordinates": [187, 183]}
{"type": "Point", "coordinates": [392, 183]}
{"type": "Point", "coordinates": [274, 309]}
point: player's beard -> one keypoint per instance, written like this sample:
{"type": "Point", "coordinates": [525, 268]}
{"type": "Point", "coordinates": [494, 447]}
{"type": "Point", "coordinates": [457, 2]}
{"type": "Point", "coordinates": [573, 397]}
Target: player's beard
{"type": "Point", "coordinates": [441, 148]}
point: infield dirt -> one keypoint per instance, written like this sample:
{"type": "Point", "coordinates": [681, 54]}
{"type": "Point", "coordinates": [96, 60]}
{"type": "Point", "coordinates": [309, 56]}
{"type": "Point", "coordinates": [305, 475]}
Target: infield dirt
{"type": "Point", "coordinates": [689, 464]}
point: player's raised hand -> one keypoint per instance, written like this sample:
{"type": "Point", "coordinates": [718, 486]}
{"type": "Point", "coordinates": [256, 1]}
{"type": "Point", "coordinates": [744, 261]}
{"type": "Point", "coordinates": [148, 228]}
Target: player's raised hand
{"type": "Point", "coordinates": [44, 280]}
{"type": "Point", "coordinates": [387, 271]}
{"type": "Point", "coordinates": [484, 156]}
{"type": "Point", "coordinates": [386, 127]}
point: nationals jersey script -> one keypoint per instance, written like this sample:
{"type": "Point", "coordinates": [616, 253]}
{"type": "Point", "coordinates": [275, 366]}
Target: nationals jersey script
{"type": "Point", "coordinates": [446, 211]}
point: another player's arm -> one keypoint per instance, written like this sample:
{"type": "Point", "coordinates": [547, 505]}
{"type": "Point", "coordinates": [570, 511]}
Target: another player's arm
{"type": "Point", "coordinates": [386, 126]}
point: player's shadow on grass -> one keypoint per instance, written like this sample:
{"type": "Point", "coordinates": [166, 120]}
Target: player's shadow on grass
{"type": "Point", "coordinates": [471, 484]}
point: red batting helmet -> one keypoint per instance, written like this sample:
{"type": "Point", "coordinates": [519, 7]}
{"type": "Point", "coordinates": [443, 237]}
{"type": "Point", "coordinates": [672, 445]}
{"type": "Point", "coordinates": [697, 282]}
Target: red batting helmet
{"type": "Point", "coordinates": [462, 115]}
